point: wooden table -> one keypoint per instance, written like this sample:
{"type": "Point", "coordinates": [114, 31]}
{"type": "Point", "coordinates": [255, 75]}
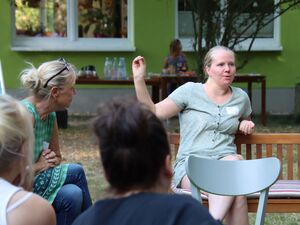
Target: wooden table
{"type": "Point", "coordinates": [158, 83]}
{"type": "Point", "coordinates": [256, 78]}
{"type": "Point", "coordinates": [153, 82]}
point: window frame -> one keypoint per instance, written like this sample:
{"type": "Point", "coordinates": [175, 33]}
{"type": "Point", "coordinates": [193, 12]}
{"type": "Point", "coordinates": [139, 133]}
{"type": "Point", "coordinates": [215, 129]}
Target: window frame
{"type": "Point", "coordinates": [2, 87]}
{"type": "Point", "coordinates": [260, 44]}
{"type": "Point", "coordinates": [72, 42]}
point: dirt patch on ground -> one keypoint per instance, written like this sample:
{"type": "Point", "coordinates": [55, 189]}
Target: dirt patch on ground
{"type": "Point", "coordinates": [78, 145]}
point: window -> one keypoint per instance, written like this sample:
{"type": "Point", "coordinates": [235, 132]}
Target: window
{"type": "Point", "coordinates": [267, 38]}
{"type": "Point", "coordinates": [72, 25]}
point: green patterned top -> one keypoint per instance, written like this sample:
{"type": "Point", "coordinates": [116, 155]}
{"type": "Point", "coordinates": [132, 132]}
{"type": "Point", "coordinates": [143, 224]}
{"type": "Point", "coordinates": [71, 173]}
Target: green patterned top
{"type": "Point", "coordinates": [48, 182]}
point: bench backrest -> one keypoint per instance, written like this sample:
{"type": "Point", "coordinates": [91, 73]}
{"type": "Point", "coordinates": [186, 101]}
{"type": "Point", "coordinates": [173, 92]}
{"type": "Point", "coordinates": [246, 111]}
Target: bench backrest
{"type": "Point", "coordinates": [284, 146]}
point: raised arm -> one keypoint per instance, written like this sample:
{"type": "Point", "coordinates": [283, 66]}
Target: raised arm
{"type": "Point", "coordinates": [139, 70]}
{"type": "Point", "coordinates": [164, 109]}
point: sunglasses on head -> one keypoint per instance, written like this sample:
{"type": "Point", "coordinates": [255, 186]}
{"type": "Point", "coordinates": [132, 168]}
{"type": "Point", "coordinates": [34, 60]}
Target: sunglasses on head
{"type": "Point", "coordinates": [66, 67]}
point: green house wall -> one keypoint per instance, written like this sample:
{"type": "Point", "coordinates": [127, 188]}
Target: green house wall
{"type": "Point", "coordinates": [153, 29]}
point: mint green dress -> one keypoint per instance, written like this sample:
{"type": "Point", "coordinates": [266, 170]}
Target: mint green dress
{"type": "Point", "coordinates": [48, 182]}
{"type": "Point", "coordinates": [207, 129]}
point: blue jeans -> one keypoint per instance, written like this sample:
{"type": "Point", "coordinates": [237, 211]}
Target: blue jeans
{"type": "Point", "coordinates": [73, 197]}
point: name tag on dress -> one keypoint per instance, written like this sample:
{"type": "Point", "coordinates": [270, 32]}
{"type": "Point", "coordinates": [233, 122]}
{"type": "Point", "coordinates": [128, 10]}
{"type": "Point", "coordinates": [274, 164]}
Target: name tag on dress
{"type": "Point", "coordinates": [232, 110]}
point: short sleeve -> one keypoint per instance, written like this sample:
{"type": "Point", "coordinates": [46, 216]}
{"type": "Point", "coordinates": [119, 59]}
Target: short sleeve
{"type": "Point", "coordinates": [247, 109]}
{"type": "Point", "coordinates": [181, 95]}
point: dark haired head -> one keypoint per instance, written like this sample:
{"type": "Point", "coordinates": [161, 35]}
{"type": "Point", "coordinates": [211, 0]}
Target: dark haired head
{"type": "Point", "coordinates": [133, 145]}
{"type": "Point", "coordinates": [175, 47]}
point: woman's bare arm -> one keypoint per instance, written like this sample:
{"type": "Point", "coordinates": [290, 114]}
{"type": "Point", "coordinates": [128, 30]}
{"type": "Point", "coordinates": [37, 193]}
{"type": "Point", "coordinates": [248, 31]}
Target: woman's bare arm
{"type": "Point", "coordinates": [54, 147]}
{"type": "Point", "coordinates": [164, 109]}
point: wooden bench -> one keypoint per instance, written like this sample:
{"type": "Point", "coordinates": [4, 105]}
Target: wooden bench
{"type": "Point", "coordinates": [284, 195]}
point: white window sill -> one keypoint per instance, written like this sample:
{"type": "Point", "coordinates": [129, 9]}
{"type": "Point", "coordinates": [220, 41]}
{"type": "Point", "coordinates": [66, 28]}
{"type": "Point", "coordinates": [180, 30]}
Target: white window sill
{"type": "Point", "coordinates": [63, 44]}
{"type": "Point", "coordinates": [259, 44]}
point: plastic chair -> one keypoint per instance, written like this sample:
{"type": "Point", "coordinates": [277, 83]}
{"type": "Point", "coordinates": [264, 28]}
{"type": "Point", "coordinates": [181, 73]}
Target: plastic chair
{"type": "Point", "coordinates": [234, 178]}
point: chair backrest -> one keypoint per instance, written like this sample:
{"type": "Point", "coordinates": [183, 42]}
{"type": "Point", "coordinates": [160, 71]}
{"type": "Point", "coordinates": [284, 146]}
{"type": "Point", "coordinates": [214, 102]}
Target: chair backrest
{"type": "Point", "coordinates": [233, 178]}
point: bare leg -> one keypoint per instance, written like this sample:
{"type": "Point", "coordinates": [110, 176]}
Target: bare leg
{"type": "Point", "coordinates": [219, 206]}
{"type": "Point", "coordinates": [238, 214]}
{"type": "Point", "coordinates": [233, 209]}
{"type": "Point", "coordinates": [185, 183]}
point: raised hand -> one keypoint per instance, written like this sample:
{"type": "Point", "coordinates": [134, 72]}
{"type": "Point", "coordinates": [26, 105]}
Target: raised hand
{"type": "Point", "coordinates": [138, 67]}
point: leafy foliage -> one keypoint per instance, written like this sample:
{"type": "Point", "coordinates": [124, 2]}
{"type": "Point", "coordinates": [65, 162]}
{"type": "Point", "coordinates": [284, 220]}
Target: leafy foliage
{"type": "Point", "coordinates": [230, 22]}
{"type": "Point", "coordinates": [104, 25]}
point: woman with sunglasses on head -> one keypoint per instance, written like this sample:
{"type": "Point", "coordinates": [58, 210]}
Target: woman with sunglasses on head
{"type": "Point", "coordinates": [16, 141]}
{"type": "Point", "coordinates": [63, 185]}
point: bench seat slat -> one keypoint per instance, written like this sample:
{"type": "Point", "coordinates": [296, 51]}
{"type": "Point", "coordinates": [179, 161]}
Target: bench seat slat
{"type": "Point", "coordinates": [298, 159]}
{"type": "Point", "coordinates": [281, 189]}
{"type": "Point", "coordinates": [290, 162]}
{"type": "Point", "coordinates": [258, 151]}
{"type": "Point", "coordinates": [274, 205]}
{"type": "Point", "coordinates": [248, 152]}
{"type": "Point", "coordinates": [269, 150]}
{"type": "Point", "coordinates": [279, 156]}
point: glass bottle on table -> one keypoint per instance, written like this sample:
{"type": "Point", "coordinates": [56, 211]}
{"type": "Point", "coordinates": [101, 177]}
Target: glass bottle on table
{"type": "Point", "coordinates": [114, 69]}
{"type": "Point", "coordinates": [107, 69]}
{"type": "Point", "coordinates": [122, 75]}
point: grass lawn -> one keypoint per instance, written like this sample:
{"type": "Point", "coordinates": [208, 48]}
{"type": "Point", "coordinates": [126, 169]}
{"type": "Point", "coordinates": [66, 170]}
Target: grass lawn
{"type": "Point", "coordinates": [78, 145]}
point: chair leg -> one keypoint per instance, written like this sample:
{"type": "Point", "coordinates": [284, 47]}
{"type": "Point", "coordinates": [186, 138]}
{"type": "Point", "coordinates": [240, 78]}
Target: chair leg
{"type": "Point", "coordinates": [261, 208]}
{"type": "Point", "coordinates": [196, 193]}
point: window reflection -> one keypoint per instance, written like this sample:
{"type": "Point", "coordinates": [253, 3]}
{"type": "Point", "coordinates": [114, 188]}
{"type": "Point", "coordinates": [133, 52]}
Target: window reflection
{"type": "Point", "coordinates": [250, 15]}
{"type": "Point", "coordinates": [44, 18]}
{"type": "Point", "coordinates": [102, 18]}
{"type": "Point", "coordinates": [245, 23]}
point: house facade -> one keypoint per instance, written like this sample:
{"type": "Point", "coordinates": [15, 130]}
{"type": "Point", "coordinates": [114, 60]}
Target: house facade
{"type": "Point", "coordinates": [69, 29]}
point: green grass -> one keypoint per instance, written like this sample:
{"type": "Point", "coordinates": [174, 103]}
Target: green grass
{"type": "Point", "coordinates": [79, 145]}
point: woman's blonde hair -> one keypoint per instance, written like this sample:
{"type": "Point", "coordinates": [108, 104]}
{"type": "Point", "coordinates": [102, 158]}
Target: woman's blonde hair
{"type": "Point", "coordinates": [16, 131]}
{"type": "Point", "coordinates": [39, 80]}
